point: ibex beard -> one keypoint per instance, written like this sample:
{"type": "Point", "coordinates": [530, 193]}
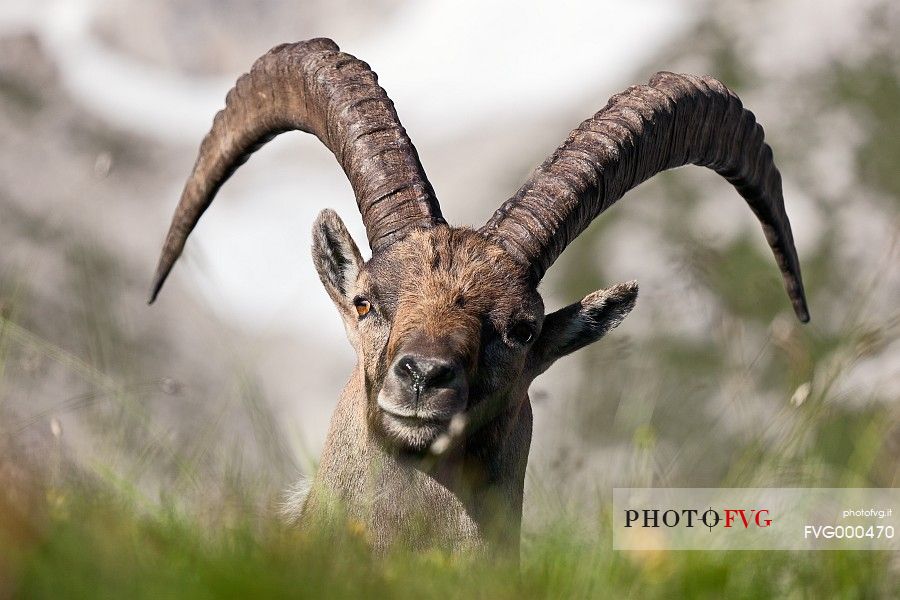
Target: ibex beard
{"type": "Point", "coordinates": [434, 425]}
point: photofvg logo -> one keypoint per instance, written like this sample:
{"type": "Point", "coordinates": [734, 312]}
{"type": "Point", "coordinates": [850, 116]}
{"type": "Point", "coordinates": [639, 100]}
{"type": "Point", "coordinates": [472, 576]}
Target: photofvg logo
{"type": "Point", "coordinates": [755, 518]}
{"type": "Point", "coordinates": [690, 517]}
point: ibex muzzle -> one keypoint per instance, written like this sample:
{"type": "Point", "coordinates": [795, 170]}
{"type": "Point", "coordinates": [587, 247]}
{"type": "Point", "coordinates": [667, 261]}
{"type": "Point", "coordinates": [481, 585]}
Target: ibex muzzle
{"type": "Point", "coordinates": [447, 322]}
{"type": "Point", "coordinates": [427, 382]}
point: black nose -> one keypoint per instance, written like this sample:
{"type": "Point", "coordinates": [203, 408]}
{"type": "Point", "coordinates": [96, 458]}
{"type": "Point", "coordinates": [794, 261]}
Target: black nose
{"type": "Point", "coordinates": [424, 373]}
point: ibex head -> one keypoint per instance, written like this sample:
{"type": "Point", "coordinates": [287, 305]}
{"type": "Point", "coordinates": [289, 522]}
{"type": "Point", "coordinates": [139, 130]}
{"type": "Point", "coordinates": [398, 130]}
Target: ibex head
{"type": "Point", "coordinates": [447, 322]}
{"type": "Point", "coordinates": [449, 325]}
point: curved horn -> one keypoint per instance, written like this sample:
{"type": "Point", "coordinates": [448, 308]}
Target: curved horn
{"type": "Point", "coordinates": [313, 87]}
{"type": "Point", "coordinates": [676, 120]}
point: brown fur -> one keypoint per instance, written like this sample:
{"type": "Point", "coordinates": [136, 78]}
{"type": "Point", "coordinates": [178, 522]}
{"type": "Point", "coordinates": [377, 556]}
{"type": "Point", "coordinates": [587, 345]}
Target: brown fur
{"type": "Point", "coordinates": [449, 292]}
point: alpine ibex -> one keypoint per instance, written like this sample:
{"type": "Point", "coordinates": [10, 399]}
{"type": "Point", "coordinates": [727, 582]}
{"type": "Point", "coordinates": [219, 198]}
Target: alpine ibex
{"type": "Point", "coordinates": [430, 437]}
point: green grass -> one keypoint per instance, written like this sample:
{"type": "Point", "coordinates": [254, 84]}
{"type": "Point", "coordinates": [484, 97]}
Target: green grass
{"type": "Point", "coordinates": [106, 547]}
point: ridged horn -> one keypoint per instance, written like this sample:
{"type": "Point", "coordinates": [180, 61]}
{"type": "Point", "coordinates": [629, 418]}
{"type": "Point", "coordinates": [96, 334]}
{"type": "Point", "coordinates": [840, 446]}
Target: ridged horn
{"type": "Point", "coordinates": [674, 121]}
{"type": "Point", "coordinates": [311, 86]}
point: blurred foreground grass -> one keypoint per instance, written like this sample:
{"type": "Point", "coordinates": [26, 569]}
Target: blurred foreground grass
{"type": "Point", "coordinates": [92, 547]}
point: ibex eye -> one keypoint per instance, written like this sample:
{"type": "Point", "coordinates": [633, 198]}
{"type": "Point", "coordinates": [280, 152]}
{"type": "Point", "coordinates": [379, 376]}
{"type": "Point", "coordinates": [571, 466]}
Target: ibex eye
{"type": "Point", "coordinates": [362, 306]}
{"type": "Point", "coordinates": [522, 332]}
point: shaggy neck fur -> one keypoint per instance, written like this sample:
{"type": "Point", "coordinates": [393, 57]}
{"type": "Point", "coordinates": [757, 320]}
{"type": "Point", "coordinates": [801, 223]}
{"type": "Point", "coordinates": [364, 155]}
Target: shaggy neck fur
{"type": "Point", "coordinates": [467, 499]}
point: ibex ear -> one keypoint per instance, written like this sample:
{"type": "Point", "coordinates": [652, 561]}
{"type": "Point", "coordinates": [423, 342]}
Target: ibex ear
{"type": "Point", "coordinates": [582, 323]}
{"type": "Point", "coordinates": [336, 257]}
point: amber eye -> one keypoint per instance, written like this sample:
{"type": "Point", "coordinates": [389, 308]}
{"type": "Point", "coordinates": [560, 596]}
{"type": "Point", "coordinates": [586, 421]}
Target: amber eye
{"type": "Point", "coordinates": [522, 332]}
{"type": "Point", "coordinates": [362, 306]}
